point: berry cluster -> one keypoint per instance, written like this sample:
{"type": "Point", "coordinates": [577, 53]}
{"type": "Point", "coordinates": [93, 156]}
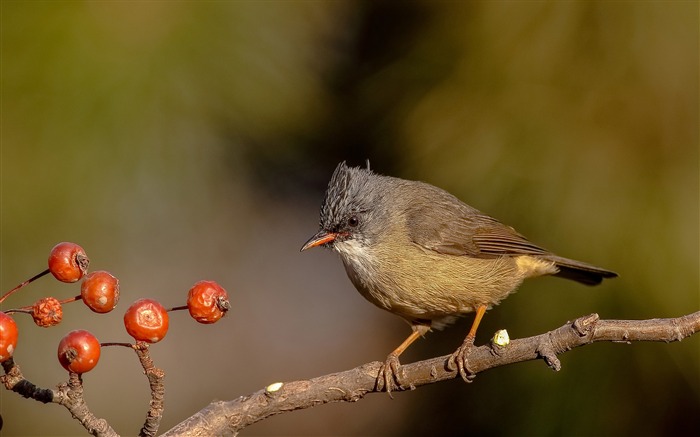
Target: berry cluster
{"type": "Point", "coordinates": [146, 320]}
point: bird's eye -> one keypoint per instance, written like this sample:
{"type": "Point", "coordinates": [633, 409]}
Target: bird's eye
{"type": "Point", "coordinates": [353, 221]}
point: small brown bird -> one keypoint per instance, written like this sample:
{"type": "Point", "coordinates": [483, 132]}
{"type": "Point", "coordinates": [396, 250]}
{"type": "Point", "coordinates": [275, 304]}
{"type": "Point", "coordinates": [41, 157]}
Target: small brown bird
{"type": "Point", "coordinates": [417, 251]}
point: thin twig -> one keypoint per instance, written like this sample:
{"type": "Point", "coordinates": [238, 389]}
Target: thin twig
{"type": "Point", "coordinates": [24, 284]}
{"type": "Point", "coordinates": [178, 308]}
{"type": "Point", "coordinates": [29, 309]}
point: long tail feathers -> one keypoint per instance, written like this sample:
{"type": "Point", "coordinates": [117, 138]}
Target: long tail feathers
{"type": "Point", "coordinates": [581, 272]}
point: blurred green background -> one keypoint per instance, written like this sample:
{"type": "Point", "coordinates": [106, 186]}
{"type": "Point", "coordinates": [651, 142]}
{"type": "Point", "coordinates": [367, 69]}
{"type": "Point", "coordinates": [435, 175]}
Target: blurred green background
{"type": "Point", "coordinates": [179, 141]}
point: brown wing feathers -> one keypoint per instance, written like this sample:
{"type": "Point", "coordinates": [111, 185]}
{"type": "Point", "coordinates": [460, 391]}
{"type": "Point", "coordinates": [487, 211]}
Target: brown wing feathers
{"type": "Point", "coordinates": [471, 233]}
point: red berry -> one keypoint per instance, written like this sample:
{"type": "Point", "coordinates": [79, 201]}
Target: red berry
{"type": "Point", "coordinates": [207, 302]}
{"type": "Point", "coordinates": [8, 336]}
{"type": "Point", "coordinates": [47, 312]}
{"type": "Point", "coordinates": [100, 291]}
{"type": "Point", "coordinates": [68, 262]}
{"type": "Point", "coordinates": [146, 320]}
{"type": "Point", "coordinates": [79, 351]}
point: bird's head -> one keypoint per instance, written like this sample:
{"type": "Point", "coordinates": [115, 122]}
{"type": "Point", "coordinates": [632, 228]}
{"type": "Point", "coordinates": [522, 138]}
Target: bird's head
{"type": "Point", "coordinates": [350, 209]}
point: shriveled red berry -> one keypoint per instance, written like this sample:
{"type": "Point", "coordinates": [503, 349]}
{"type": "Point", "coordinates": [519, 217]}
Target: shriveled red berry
{"type": "Point", "coordinates": [8, 336]}
{"type": "Point", "coordinates": [100, 291]}
{"type": "Point", "coordinates": [146, 320]}
{"type": "Point", "coordinates": [207, 302]}
{"type": "Point", "coordinates": [47, 312]}
{"type": "Point", "coordinates": [79, 351]}
{"type": "Point", "coordinates": [68, 262]}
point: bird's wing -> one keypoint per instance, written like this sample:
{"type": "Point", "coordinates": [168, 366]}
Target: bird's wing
{"type": "Point", "coordinates": [451, 227]}
{"type": "Point", "coordinates": [457, 229]}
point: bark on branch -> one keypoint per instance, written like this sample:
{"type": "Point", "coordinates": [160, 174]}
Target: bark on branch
{"type": "Point", "coordinates": [230, 417]}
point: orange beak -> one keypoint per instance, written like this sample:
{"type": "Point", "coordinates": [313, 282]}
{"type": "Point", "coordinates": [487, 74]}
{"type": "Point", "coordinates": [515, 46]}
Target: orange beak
{"type": "Point", "coordinates": [322, 237]}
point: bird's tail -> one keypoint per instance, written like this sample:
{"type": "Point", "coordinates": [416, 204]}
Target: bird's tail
{"type": "Point", "coordinates": [581, 272]}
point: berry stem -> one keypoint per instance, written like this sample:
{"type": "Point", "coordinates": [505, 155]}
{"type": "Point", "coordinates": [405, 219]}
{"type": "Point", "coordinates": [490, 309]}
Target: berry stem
{"type": "Point", "coordinates": [28, 309]}
{"type": "Point", "coordinates": [180, 308]}
{"type": "Point", "coordinates": [129, 345]}
{"type": "Point", "coordinates": [23, 284]}
{"type": "Point", "coordinates": [70, 299]}
{"type": "Point", "coordinates": [24, 310]}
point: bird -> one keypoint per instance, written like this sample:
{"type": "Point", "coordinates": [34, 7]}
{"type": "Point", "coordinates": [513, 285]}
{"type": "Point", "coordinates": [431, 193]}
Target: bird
{"type": "Point", "coordinates": [419, 252]}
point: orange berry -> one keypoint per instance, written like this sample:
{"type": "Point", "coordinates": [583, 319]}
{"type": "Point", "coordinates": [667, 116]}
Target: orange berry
{"type": "Point", "coordinates": [8, 336]}
{"type": "Point", "coordinates": [47, 312]}
{"type": "Point", "coordinates": [79, 351]}
{"type": "Point", "coordinates": [100, 291]}
{"type": "Point", "coordinates": [207, 302]}
{"type": "Point", "coordinates": [68, 262]}
{"type": "Point", "coordinates": [146, 320]}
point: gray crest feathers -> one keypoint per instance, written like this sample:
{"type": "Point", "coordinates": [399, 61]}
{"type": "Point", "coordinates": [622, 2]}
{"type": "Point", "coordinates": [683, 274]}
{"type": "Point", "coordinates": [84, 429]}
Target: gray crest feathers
{"type": "Point", "coordinates": [343, 193]}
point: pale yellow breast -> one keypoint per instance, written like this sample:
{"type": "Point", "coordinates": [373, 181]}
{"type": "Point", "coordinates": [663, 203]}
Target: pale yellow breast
{"type": "Point", "coordinates": [421, 284]}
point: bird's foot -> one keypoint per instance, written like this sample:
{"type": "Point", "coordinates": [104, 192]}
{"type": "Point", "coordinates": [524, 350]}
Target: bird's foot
{"type": "Point", "coordinates": [389, 374]}
{"type": "Point", "coordinates": [458, 360]}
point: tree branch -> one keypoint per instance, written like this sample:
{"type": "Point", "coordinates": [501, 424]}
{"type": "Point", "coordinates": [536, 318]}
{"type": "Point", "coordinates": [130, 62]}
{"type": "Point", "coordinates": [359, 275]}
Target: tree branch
{"type": "Point", "coordinates": [155, 381]}
{"type": "Point", "coordinates": [69, 394]}
{"type": "Point", "coordinates": [230, 417]}
{"type": "Point", "coordinates": [71, 397]}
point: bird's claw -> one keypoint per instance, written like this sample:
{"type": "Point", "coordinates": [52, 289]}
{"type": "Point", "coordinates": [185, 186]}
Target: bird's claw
{"type": "Point", "coordinates": [389, 374]}
{"type": "Point", "coordinates": [458, 361]}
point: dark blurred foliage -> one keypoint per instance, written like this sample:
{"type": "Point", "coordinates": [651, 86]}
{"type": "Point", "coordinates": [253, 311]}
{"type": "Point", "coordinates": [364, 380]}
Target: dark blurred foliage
{"type": "Point", "coordinates": [179, 141]}
{"type": "Point", "coordinates": [363, 111]}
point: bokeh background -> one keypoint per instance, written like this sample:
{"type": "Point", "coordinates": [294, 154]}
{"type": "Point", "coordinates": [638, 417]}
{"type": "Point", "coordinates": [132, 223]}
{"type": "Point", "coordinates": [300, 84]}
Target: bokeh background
{"type": "Point", "coordinates": [179, 141]}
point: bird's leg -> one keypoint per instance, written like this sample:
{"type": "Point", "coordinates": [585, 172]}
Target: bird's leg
{"type": "Point", "coordinates": [390, 369]}
{"type": "Point", "coordinates": [458, 359]}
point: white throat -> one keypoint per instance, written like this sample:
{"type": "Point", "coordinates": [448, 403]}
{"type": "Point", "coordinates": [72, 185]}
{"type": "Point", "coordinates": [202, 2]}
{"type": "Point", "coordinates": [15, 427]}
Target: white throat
{"type": "Point", "coordinates": [353, 251]}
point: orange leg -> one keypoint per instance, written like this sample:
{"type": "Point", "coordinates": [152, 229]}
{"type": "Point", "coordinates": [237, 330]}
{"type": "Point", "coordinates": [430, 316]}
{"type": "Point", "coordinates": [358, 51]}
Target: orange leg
{"type": "Point", "coordinates": [389, 371]}
{"type": "Point", "coordinates": [406, 343]}
{"type": "Point", "coordinates": [477, 319]}
{"type": "Point", "coordinates": [458, 359]}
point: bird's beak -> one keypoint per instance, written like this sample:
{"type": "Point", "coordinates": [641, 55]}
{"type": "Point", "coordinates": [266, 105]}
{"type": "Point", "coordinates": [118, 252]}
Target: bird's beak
{"type": "Point", "coordinates": [322, 237]}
